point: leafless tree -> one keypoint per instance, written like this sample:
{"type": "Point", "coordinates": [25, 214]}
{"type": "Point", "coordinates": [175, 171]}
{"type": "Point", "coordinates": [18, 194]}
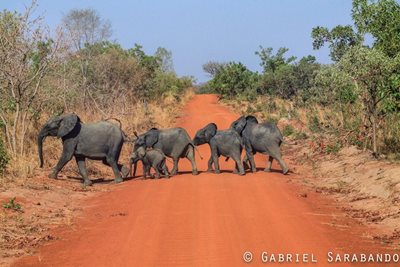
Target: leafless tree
{"type": "Point", "coordinates": [27, 54]}
{"type": "Point", "coordinates": [213, 67]}
{"type": "Point", "coordinates": [86, 27]}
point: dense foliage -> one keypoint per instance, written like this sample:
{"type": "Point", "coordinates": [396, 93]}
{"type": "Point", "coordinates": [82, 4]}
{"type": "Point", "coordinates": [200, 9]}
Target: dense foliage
{"type": "Point", "coordinates": [76, 69]}
{"type": "Point", "coordinates": [362, 85]}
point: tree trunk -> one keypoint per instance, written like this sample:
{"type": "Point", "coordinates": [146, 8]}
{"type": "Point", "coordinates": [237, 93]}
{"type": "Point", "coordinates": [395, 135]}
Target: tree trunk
{"type": "Point", "coordinates": [374, 122]}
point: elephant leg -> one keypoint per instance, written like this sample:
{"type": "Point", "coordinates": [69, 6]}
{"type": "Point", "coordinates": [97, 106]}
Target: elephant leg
{"type": "Point", "coordinates": [251, 160]}
{"type": "Point", "coordinates": [236, 170]}
{"type": "Point", "coordinates": [124, 170]}
{"type": "Point", "coordinates": [145, 170]}
{"type": "Point", "coordinates": [210, 162]}
{"type": "Point", "coordinates": [245, 162]}
{"type": "Point", "coordinates": [157, 169]}
{"type": "Point", "coordinates": [277, 155]}
{"type": "Point", "coordinates": [250, 156]}
{"type": "Point", "coordinates": [216, 164]}
{"type": "Point", "coordinates": [190, 156]}
{"type": "Point", "coordinates": [115, 169]}
{"type": "Point", "coordinates": [66, 156]}
{"type": "Point", "coordinates": [175, 168]}
{"type": "Point", "coordinates": [165, 170]}
{"type": "Point", "coordinates": [215, 157]}
{"type": "Point", "coordinates": [82, 169]}
{"type": "Point", "coordinates": [238, 164]}
{"type": "Point", "coordinates": [269, 164]}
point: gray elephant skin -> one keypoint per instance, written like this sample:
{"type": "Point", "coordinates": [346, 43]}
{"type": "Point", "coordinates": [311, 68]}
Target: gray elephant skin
{"type": "Point", "coordinates": [265, 138]}
{"type": "Point", "coordinates": [227, 143]}
{"type": "Point", "coordinates": [175, 143]}
{"type": "Point", "coordinates": [98, 141]}
{"type": "Point", "coordinates": [150, 158]}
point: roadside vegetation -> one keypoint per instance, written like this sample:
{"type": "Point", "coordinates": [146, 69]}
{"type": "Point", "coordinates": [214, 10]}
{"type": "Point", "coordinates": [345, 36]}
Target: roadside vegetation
{"type": "Point", "coordinates": [76, 68]}
{"type": "Point", "coordinates": [355, 100]}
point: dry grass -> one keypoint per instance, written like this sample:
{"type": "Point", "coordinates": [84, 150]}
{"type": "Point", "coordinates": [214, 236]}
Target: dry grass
{"type": "Point", "coordinates": [138, 117]}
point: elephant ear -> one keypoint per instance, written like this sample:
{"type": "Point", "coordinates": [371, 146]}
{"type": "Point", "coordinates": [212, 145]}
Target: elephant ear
{"type": "Point", "coordinates": [251, 118]}
{"type": "Point", "coordinates": [67, 124]}
{"type": "Point", "coordinates": [210, 131]}
{"type": "Point", "coordinates": [151, 137]}
{"type": "Point", "coordinates": [239, 124]}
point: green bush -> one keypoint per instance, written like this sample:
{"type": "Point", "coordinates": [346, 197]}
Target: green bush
{"type": "Point", "coordinates": [235, 80]}
{"type": "Point", "coordinates": [298, 135]}
{"type": "Point", "coordinates": [288, 130]}
{"type": "Point", "coordinates": [4, 158]}
{"type": "Point", "coordinates": [314, 124]}
{"type": "Point", "coordinates": [12, 205]}
{"type": "Point", "coordinates": [333, 148]}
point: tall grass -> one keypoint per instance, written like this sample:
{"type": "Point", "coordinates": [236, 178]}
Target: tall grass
{"type": "Point", "coordinates": [137, 117]}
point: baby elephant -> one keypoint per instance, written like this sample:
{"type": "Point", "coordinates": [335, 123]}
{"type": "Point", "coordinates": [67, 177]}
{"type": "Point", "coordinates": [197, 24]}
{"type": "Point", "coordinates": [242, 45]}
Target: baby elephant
{"type": "Point", "coordinates": [150, 158]}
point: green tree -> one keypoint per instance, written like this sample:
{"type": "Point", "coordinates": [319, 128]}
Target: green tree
{"type": "Point", "coordinates": [271, 62]}
{"type": "Point", "coordinates": [377, 77]}
{"type": "Point", "coordinates": [234, 79]}
{"type": "Point", "coordinates": [382, 20]}
{"type": "Point", "coordinates": [340, 39]}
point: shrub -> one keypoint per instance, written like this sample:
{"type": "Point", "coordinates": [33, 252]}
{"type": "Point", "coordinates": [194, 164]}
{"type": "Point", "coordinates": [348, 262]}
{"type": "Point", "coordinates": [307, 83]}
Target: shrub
{"type": "Point", "coordinates": [12, 205]}
{"type": "Point", "coordinates": [314, 124]}
{"type": "Point", "coordinates": [288, 130]}
{"type": "Point", "coordinates": [4, 158]}
{"type": "Point", "coordinates": [333, 148]}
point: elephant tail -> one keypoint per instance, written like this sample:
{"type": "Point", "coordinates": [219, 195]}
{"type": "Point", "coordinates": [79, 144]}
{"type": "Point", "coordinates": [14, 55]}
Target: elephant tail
{"type": "Point", "coordinates": [127, 139]}
{"type": "Point", "coordinates": [195, 147]}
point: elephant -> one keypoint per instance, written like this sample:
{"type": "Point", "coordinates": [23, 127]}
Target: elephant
{"type": "Point", "coordinates": [227, 143]}
{"type": "Point", "coordinates": [265, 138]}
{"type": "Point", "coordinates": [174, 143]}
{"type": "Point", "coordinates": [98, 141]}
{"type": "Point", "coordinates": [150, 158]}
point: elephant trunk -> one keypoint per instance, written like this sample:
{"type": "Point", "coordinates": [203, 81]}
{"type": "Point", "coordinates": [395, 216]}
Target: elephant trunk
{"type": "Point", "coordinates": [40, 147]}
{"type": "Point", "coordinates": [134, 162]}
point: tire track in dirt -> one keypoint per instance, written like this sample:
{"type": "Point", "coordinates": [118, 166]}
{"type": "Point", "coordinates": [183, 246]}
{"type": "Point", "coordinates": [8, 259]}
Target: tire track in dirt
{"type": "Point", "coordinates": [204, 220]}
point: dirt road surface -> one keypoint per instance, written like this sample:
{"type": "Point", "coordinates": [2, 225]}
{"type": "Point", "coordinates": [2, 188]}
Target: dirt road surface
{"type": "Point", "coordinates": [205, 220]}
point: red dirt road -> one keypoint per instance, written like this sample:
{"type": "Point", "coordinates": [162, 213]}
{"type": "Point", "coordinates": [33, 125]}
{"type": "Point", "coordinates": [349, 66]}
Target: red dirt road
{"type": "Point", "coordinates": [204, 220]}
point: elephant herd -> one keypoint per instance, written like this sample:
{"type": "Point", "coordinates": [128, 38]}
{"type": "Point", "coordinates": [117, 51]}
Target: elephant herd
{"type": "Point", "coordinates": [103, 141]}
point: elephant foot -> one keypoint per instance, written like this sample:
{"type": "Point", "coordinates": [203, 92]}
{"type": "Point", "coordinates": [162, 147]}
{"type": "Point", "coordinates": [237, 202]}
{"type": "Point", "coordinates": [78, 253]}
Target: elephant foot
{"type": "Point", "coordinates": [235, 172]}
{"type": "Point", "coordinates": [245, 165]}
{"type": "Point", "coordinates": [167, 176]}
{"type": "Point", "coordinates": [52, 176]}
{"type": "Point", "coordinates": [195, 172]}
{"type": "Point", "coordinates": [285, 171]}
{"type": "Point", "coordinates": [118, 180]}
{"type": "Point", "coordinates": [87, 182]}
{"type": "Point", "coordinates": [125, 172]}
{"type": "Point", "coordinates": [254, 170]}
{"type": "Point", "coordinates": [217, 171]}
{"type": "Point", "coordinates": [267, 169]}
{"type": "Point", "coordinates": [209, 170]}
{"type": "Point", "coordinates": [241, 173]}
{"type": "Point", "coordinates": [173, 172]}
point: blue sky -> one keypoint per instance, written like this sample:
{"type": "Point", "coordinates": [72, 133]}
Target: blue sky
{"type": "Point", "coordinates": [198, 31]}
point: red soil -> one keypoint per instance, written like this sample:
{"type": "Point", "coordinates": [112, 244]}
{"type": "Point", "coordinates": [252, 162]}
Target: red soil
{"type": "Point", "coordinates": [204, 220]}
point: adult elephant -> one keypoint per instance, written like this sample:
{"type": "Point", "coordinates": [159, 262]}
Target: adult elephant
{"type": "Point", "coordinates": [99, 141]}
{"type": "Point", "coordinates": [264, 138]}
{"type": "Point", "coordinates": [174, 143]}
{"type": "Point", "coordinates": [227, 143]}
